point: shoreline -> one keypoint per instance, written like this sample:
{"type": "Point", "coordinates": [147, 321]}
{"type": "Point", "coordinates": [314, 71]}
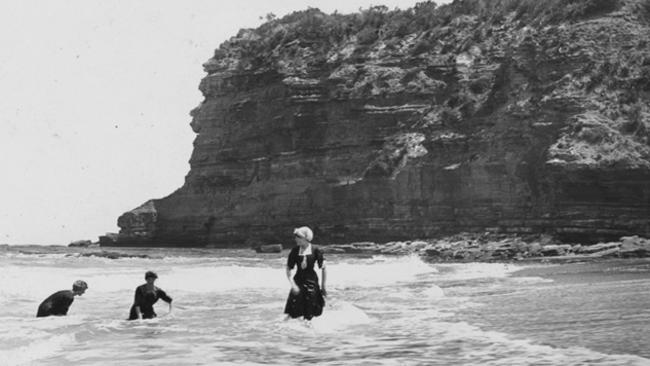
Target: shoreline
{"type": "Point", "coordinates": [460, 248]}
{"type": "Point", "coordinates": [468, 247]}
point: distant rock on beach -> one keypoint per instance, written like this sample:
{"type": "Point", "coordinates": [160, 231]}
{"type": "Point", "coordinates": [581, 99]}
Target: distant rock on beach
{"type": "Point", "coordinates": [108, 240]}
{"type": "Point", "coordinates": [112, 255]}
{"type": "Point", "coordinates": [468, 247]}
{"type": "Point", "coordinates": [83, 244]}
{"type": "Point", "coordinates": [270, 248]}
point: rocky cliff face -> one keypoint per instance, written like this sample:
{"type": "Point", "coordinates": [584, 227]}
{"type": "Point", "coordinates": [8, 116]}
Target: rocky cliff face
{"type": "Point", "coordinates": [502, 116]}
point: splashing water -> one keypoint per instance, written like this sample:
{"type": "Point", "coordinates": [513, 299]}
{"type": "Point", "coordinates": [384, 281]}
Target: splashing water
{"type": "Point", "coordinates": [380, 310]}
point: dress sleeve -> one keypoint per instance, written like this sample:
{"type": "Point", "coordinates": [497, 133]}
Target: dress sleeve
{"type": "Point", "coordinates": [163, 295]}
{"type": "Point", "coordinates": [67, 300]}
{"type": "Point", "coordinates": [137, 300]}
{"type": "Point", "coordinates": [319, 258]}
{"type": "Point", "coordinates": [291, 259]}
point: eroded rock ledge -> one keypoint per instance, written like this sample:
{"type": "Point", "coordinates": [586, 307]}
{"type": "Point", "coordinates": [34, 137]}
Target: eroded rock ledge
{"type": "Point", "coordinates": [513, 117]}
{"type": "Point", "coordinates": [470, 247]}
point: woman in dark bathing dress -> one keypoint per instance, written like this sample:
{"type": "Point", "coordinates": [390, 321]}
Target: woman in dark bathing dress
{"type": "Point", "coordinates": [306, 298]}
{"type": "Point", "coordinates": [145, 296]}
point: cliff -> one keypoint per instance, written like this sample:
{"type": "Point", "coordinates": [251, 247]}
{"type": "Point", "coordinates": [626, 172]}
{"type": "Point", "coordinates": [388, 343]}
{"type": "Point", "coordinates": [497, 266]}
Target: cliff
{"type": "Point", "coordinates": [502, 116]}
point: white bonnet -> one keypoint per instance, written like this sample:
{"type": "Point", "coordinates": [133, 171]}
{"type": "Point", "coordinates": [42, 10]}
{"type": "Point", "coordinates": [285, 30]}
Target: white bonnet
{"type": "Point", "coordinates": [304, 232]}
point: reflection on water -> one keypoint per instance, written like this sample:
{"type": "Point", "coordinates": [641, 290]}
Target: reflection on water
{"type": "Point", "coordinates": [381, 311]}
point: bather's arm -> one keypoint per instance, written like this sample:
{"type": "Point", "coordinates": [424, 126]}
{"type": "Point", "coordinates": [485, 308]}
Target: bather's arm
{"type": "Point", "coordinates": [324, 280]}
{"type": "Point", "coordinates": [294, 288]}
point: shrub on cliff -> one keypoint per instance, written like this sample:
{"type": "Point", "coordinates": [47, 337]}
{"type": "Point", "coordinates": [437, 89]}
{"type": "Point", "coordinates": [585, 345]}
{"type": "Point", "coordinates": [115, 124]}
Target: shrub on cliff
{"type": "Point", "coordinates": [394, 155]}
{"type": "Point", "coordinates": [532, 11]}
{"type": "Point", "coordinates": [563, 10]}
{"type": "Point", "coordinates": [590, 140]}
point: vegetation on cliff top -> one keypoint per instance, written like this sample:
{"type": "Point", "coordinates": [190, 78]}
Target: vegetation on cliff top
{"type": "Point", "coordinates": [605, 70]}
{"type": "Point", "coordinates": [322, 31]}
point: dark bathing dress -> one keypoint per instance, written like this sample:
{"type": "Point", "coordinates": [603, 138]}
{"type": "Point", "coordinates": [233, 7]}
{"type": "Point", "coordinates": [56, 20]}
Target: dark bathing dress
{"type": "Point", "coordinates": [309, 302]}
{"type": "Point", "coordinates": [57, 304]}
{"type": "Point", "coordinates": [145, 299]}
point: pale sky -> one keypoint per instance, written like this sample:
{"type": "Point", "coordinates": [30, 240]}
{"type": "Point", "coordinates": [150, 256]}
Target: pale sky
{"type": "Point", "coordinates": [94, 103]}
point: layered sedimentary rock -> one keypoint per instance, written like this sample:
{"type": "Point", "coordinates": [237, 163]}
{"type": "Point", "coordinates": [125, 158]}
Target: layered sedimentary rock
{"type": "Point", "coordinates": [500, 116]}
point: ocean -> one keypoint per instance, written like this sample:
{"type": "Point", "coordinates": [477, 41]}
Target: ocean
{"type": "Point", "coordinates": [381, 310]}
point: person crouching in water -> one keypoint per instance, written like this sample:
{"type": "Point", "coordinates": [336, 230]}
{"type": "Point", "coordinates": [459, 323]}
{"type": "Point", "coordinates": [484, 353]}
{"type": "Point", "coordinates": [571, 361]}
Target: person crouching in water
{"type": "Point", "coordinates": [145, 296]}
{"type": "Point", "coordinates": [59, 302]}
{"type": "Point", "coordinates": [306, 298]}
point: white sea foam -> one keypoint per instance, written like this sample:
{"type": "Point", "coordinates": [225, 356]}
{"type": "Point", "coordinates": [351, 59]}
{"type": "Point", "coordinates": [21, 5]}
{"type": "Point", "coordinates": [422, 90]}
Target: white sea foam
{"type": "Point", "coordinates": [379, 271]}
{"type": "Point", "coordinates": [218, 277]}
{"type": "Point", "coordinates": [338, 315]}
{"type": "Point", "coordinates": [468, 271]}
{"type": "Point", "coordinates": [512, 351]}
{"type": "Point", "coordinates": [40, 281]}
{"type": "Point", "coordinates": [433, 292]}
{"type": "Point", "coordinates": [531, 280]}
{"type": "Point", "coordinates": [42, 347]}
{"type": "Point", "coordinates": [380, 310]}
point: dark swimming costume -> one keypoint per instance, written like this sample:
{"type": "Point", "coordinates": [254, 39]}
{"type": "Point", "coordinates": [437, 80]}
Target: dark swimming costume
{"type": "Point", "coordinates": [145, 299]}
{"type": "Point", "coordinates": [57, 304]}
{"type": "Point", "coordinates": [309, 302]}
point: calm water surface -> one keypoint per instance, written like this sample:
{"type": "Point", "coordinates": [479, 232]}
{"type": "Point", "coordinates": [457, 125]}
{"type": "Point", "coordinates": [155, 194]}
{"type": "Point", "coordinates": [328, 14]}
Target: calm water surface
{"type": "Point", "coordinates": [381, 311]}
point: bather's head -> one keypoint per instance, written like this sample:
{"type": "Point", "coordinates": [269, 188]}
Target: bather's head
{"type": "Point", "coordinates": [150, 277]}
{"type": "Point", "coordinates": [79, 287]}
{"type": "Point", "coordinates": [303, 236]}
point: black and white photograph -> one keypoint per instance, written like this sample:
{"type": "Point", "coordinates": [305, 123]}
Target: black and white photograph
{"type": "Point", "coordinates": [326, 182]}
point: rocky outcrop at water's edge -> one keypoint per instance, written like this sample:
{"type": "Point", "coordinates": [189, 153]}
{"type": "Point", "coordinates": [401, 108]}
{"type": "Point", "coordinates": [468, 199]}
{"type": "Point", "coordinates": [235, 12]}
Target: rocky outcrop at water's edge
{"type": "Point", "coordinates": [468, 247]}
{"type": "Point", "coordinates": [511, 117]}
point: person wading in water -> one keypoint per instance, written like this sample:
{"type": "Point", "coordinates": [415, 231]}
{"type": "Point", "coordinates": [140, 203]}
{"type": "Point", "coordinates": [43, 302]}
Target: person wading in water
{"type": "Point", "coordinates": [306, 298]}
{"type": "Point", "coordinates": [59, 302]}
{"type": "Point", "coordinates": [145, 296]}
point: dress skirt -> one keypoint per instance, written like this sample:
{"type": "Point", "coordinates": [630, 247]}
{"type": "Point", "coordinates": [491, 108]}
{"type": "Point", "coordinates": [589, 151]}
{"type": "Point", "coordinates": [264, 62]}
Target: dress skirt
{"type": "Point", "coordinates": [308, 303]}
